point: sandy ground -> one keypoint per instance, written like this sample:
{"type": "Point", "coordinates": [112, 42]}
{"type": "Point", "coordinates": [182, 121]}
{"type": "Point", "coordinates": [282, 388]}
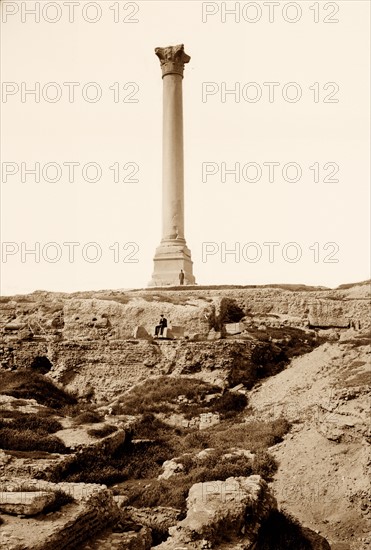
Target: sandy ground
{"type": "Point", "coordinates": [324, 473]}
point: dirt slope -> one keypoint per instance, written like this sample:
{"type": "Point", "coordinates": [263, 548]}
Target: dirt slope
{"type": "Point", "coordinates": [324, 478]}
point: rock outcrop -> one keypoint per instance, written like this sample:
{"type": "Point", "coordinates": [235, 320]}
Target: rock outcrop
{"type": "Point", "coordinates": [222, 511]}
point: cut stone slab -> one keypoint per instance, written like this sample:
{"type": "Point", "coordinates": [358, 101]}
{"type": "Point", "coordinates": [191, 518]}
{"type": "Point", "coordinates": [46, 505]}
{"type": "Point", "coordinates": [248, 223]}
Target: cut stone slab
{"type": "Point", "coordinates": [141, 333]}
{"type": "Point", "coordinates": [234, 328]}
{"type": "Point", "coordinates": [25, 503]}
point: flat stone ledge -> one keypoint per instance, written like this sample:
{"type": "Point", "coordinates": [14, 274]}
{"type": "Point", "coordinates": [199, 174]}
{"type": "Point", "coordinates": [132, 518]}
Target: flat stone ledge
{"type": "Point", "coordinates": [25, 503]}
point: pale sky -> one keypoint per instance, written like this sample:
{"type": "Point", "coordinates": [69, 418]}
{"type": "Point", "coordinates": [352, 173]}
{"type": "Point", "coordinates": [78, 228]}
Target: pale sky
{"type": "Point", "coordinates": [322, 140]}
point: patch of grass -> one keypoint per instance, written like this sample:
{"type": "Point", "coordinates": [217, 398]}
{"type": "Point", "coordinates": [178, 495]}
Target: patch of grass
{"type": "Point", "coordinates": [160, 493]}
{"type": "Point", "coordinates": [88, 417]}
{"type": "Point", "coordinates": [254, 435]}
{"type": "Point", "coordinates": [174, 491]}
{"type": "Point", "coordinates": [106, 430]}
{"type": "Point", "coordinates": [157, 442]}
{"type": "Point", "coordinates": [264, 464]}
{"type": "Point", "coordinates": [28, 440]}
{"type": "Point", "coordinates": [130, 461]}
{"type": "Point", "coordinates": [269, 357]}
{"type": "Point", "coordinates": [148, 426]}
{"type": "Point", "coordinates": [161, 394]}
{"type": "Point", "coordinates": [26, 384]}
{"type": "Point", "coordinates": [33, 422]}
{"type": "Point", "coordinates": [73, 410]}
{"type": "Point", "coordinates": [229, 404]}
{"type": "Point", "coordinates": [6, 413]}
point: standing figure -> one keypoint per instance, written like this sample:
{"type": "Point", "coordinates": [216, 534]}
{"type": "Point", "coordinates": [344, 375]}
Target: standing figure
{"type": "Point", "coordinates": [181, 277]}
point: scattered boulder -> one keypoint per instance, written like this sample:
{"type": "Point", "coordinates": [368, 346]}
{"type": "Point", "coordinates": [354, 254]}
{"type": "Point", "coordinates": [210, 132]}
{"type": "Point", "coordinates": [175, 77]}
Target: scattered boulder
{"type": "Point", "coordinates": [141, 333]}
{"type": "Point", "coordinates": [195, 337]}
{"type": "Point", "coordinates": [230, 510]}
{"type": "Point", "coordinates": [214, 335]}
{"type": "Point", "coordinates": [177, 331]}
{"type": "Point", "coordinates": [234, 328]}
{"type": "Point", "coordinates": [25, 503]}
{"type": "Point", "coordinates": [170, 467]}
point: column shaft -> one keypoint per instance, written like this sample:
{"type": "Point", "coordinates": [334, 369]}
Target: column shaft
{"type": "Point", "coordinates": [172, 159]}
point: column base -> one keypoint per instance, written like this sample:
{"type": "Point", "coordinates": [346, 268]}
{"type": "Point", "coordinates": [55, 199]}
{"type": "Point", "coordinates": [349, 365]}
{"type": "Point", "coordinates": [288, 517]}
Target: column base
{"type": "Point", "coordinates": [170, 257]}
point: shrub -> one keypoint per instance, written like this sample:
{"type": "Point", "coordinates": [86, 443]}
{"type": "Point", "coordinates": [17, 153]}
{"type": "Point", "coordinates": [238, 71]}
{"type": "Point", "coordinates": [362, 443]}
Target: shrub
{"type": "Point", "coordinates": [229, 404]}
{"type": "Point", "coordinates": [27, 384]}
{"type": "Point", "coordinates": [269, 359]}
{"type": "Point", "coordinates": [232, 467]}
{"type": "Point", "coordinates": [173, 492]}
{"type": "Point", "coordinates": [27, 440]}
{"type": "Point", "coordinates": [88, 417]}
{"type": "Point", "coordinates": [35, 423]}
{"type": "Point", "coordinates": [196, 441]}
{"type": "Point", "coordinates": [264, 464]}
{"type": "Point", "coordinates": [104, 431]}
{"type": "Point", "coordinates": [150, 427]}
{"type": "Point", "coordinates": [160, 394]}
{"type": "Point", "coordinates": [254, 435]}
{"type": "Point", "coordinates": [160, 493]}
{"type": "Point", "coordinates": [130, 461]}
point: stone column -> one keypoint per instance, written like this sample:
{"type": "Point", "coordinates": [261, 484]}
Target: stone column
{"type": "Point", "coordinates": [172, 255]}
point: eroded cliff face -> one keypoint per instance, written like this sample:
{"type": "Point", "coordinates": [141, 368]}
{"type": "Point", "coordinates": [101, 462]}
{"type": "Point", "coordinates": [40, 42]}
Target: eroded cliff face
{"type": "Point", "coordinates": [105, 369]}
{"type": "Point", "coordinates": [114, 314]}
{"type": "Point", "coordinates": [87, 337]}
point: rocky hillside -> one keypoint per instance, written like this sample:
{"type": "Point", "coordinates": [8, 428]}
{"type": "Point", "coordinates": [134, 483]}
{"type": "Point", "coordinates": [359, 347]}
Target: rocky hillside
{"type": "Point", "coordinates": [265, 389]}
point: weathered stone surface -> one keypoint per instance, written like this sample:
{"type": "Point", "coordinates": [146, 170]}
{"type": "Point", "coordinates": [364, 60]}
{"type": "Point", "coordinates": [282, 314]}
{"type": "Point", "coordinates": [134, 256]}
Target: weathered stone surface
{"type": "Point", "coordinates": [140, 332]}
{"type": "Point", "coordinates": [234, 328]}
{"type": "Point", "coordinates": [93, 510]}
{"type": "Point", "coordinates": [208, 419]}
{"type": "Point", "coordinates": [177, 331]}
{"type": "Point", "coordinates": [128, 540]}
{"type": "Point", "coordinates": [159, 519]}
{"type": "Point", "coordinates": [321, 320]}
{"type": "Point", "coordinates": [196, 337]}
{"type": "Point", "coordinates": [230, 510]}
{"type": "Point", "coordinates": [25, 503]}
{"type": "Point", "coordinates": [170, 467]}
{"type": "Point", "coordinates": [214, 335]}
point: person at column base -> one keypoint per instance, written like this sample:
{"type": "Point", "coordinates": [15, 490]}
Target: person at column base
{"type": "Point", "coordinates": [169, 260]}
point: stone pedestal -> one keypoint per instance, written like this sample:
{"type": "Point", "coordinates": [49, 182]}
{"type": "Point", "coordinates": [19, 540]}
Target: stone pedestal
{"type": "Point", "coordinates": [172, 254]}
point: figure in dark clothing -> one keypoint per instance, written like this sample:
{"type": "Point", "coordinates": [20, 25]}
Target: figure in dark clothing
{"type": "Point", "coordinates": [161, 325]}
{"type": "Point", "coordinates": [181, 277]}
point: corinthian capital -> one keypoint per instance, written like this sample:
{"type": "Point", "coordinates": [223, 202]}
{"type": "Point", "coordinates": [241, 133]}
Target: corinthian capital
{"type": "Point", "coordinates": [172, 59]}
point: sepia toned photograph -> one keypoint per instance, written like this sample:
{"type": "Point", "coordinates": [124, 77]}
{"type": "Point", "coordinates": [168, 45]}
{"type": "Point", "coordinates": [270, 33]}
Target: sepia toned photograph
{"type": "Point", "coordinates": [185, 282]}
